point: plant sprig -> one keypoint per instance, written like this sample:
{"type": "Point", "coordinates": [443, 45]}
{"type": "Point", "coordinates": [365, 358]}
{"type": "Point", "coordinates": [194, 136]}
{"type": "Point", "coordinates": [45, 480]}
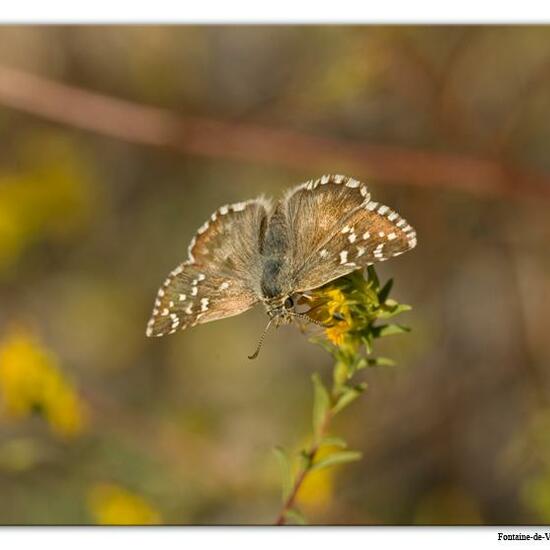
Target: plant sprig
{"type": "Point", "coordinates": [351, 307]}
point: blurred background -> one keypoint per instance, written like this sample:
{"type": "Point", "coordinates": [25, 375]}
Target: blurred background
{"type": "Point", "coordinates": [118, 142]}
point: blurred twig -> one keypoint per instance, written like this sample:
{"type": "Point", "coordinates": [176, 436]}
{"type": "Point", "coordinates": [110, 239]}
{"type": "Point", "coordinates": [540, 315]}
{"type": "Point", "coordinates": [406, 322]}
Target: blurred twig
{"type": "Point", "coordinates": [207, 137]}
{"type": "Point", "coordinates": [516, 112]}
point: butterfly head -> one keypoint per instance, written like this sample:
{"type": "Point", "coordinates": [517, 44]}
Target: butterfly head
{"type": "Point", "coordinates": [281, 310]}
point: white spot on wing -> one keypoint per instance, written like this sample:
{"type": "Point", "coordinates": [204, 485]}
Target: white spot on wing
{"type": "Point", "coordinates": [352, 183]}
{"type": "Point", "coordinates": [177, 271]}
{"type": "Point", "coordinates": [203, 228]}
{"type": "Point", "coordinates": [343, 256]}
{"type": "Point", "coordinates": [204, 304]}
{"type": "Point", "coordinates": [191, 246]}
{"type": "Point", "coordinates": [378, 251]}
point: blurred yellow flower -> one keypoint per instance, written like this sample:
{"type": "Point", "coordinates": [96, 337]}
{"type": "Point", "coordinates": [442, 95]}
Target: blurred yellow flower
{"type": "Point", "coordinates": [317, 488]}
{"type": "Point", "coordinates": [31, 381]}
{"type": "Point", "coordinates": [114, 505]}
{"type": "Point", "coordinates": [49, 199]}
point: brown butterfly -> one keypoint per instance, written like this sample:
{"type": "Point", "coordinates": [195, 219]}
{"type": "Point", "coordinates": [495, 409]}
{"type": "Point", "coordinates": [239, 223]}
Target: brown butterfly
{"type": "Point", "coordinates": [257, 251]}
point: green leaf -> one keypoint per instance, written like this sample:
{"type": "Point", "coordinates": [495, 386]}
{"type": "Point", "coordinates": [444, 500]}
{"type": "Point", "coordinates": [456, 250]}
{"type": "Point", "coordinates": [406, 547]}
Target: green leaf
{"type": "Point", "coordinates": [340, 374]}
{"type": "Point", "coordinates": [354, 363]}
{"type": "Point", "coordinates": [333, 441]}
{"type": "Point", "coordinates": [296, 517]}
{"type": "Point", "coordinates": [367, 341]}
{"type": "Point", "coordinates": [286, 471]}
{"type": "Point", "coordinates": [336, 458]}
{"type": "Point", "coordinates": [380, 362]}
{"type": "Point", "coordinates": [321, 404]}
{"type": "Point", "coordinates": [373, 277]}
{"type": "Point", "coordinates": [388, 330]}
{"type": "Point", "coordinates": [391, 309]}
{"type": "Point", "coordinates": [371, 297]}
{"type": "Point", "coordinates": [385, 291]}
{"type": "Point", "coordinates": [349, 395]}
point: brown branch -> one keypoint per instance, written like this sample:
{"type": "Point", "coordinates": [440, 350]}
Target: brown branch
{"type": "Point", "coordinates": [211, 138]}
{"type": "Point", "coordinates": [516, 111]}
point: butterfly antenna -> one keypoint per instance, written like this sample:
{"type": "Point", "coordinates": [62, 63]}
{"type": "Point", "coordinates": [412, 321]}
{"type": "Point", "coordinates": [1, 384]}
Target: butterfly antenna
{"type": "Point", "coordinates": [308, 319]}
{"type": "Point", "coordinates": [261, 340]}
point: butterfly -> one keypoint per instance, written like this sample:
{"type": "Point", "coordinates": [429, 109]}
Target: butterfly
{"type": "Point", "coordinates": [259, 251]}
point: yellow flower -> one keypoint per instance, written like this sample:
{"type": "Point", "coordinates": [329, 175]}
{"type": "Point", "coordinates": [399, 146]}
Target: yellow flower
{"type": "Point", "coordinates": [337, 333]}
{"type": "Point", "coordinates": [337, 303]}
{"type": "Point", "coordinates": [331, 306]}
{"type": "Point", "coordinates": [318, 486]}
{"type": "Point", "coordinates": [31, 381]}
{"type": "Point", "coordinates": [114, 505]}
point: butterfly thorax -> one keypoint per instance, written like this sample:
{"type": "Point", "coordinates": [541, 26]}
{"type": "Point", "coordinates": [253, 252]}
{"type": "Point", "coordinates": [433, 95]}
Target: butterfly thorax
{"type": "Point", "coordinates": [274, 246]}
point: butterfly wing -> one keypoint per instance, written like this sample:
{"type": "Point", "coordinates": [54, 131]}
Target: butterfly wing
{"type": "Point", "coordinates": [338, 229]}
{"type": "Point", "coordinates": [216, 280]}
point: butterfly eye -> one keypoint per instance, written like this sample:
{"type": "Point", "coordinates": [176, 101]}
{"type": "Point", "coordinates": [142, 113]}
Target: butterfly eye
{"type": "Point", "coordinates": [289, 302]}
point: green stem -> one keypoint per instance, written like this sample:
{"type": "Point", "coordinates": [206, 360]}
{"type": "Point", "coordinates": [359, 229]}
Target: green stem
{"type": "Point", "coordinates": [300, 478]}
